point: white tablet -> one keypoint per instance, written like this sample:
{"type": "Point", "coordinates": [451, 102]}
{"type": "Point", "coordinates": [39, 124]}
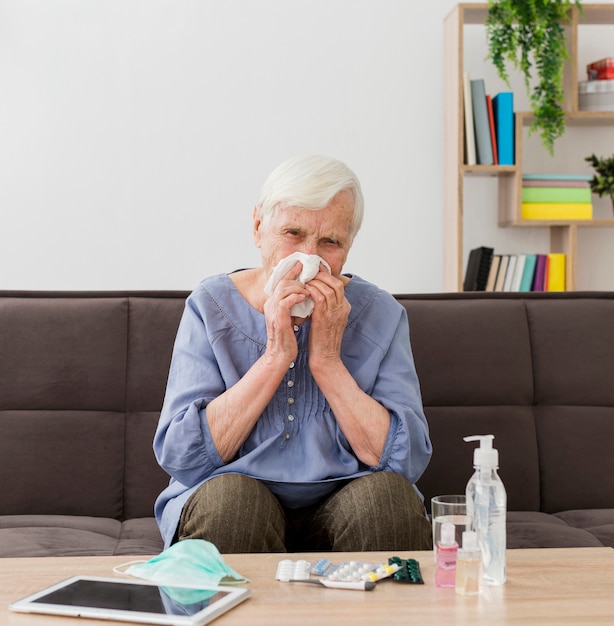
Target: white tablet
{"type": "Point", "coordinates": [133, 601]}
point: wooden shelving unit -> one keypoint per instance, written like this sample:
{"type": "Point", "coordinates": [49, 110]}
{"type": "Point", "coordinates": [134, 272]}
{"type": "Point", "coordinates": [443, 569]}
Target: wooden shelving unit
{"type": "Point", "coordinates": [563, 234]}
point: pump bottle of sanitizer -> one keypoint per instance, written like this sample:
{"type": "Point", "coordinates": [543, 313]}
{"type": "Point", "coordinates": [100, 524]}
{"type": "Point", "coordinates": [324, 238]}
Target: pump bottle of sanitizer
{"type": "Point", "coordinates": [486, 507]}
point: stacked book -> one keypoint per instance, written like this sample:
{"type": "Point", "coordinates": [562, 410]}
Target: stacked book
{"type": "Point", "coordinates": [489, 125]}
{"type": "Point", "coordinates": [597, 93]}
{"type": "Point", "coordinates": [487, 271]}
{"type": "Point", "coordinates": [556, 197]}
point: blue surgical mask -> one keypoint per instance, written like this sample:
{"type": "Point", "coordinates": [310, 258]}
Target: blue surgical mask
{"type": "Point", "coordinates": [189, 563]}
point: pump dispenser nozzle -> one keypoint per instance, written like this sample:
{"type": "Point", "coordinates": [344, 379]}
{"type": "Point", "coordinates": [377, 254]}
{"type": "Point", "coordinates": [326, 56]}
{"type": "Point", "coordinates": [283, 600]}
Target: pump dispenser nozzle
{"type": "Point", "coordinates": [485, 455]}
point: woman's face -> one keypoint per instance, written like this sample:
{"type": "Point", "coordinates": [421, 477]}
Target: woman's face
{"type": "Point", "coordinates": [325, 232]}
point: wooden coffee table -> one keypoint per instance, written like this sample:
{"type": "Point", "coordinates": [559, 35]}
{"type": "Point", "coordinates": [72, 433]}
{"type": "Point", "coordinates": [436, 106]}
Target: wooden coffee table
{"type": "Point", "coordinates": [559, 586]}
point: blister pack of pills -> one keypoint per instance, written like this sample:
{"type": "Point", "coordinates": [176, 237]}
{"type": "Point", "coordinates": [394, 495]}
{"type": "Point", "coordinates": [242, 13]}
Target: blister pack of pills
{"type": "Point", "coordinates": [408, 571]}
{"type": "Point", "coordinates": [300, 571]}
{"type": "Point", "coordinates": [350, 574]}
{"type": "Point", "coordinates": [347, 571]}
{"type": "Point", "coordinates": [293, 570]}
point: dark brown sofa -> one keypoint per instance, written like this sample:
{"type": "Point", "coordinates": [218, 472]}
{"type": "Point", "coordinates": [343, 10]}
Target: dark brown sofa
{"type": "Point", "coordinates": [82, 378]}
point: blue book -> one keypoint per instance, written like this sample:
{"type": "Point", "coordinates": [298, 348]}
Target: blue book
{"type": "Point", "coordinates": [503, 109]}
{"type": "Point", "coordinates": [526, 282]}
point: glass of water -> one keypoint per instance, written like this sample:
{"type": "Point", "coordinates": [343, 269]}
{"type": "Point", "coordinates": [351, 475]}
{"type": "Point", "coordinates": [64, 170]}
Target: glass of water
{"type": "Point", "coordinates": [451, 509]}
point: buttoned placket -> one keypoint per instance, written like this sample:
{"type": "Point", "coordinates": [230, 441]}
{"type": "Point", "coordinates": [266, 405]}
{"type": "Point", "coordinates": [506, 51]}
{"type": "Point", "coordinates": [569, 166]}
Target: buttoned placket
{"type": "Point", "coordinates": [290, 417]}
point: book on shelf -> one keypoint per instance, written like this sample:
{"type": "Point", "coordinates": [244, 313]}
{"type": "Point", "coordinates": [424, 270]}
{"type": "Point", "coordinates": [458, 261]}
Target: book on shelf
{"type": "Point", "coordinates": [557, 177]}
{"type": "Point", "coordinates": [555, 272]}
{"type": "Point", "coordinates": [491, 125]}
{"type": "Point", "coordinates": [521, 272]}
{"type": "Point", "coordinates": [540, 273]}
{"type": "Point", "coordinates": [505, 259]}
{"type": "Point", "coordinates": [509, 274]}
{"type": "Point", "coordinates": [492, 274]}
{"type": "Point", "coordinates": [557, 210]}
{"type": "Point", "coordinates": [543, 182]}
{"type": "Point", "coordinates": [470, 152]}
{"type": "Point", "coordinates": [503, 108]}
{"type": "Point", "coordinates": [478, 269]}
{"type": "Point", "coordinates": [528, 273]}
{"type": "Point", "coordinates": [481, 124]}
{"type": "Point", "coordinates": [518, 272]}
{"type": "Point", "coordinates": [556, 194]}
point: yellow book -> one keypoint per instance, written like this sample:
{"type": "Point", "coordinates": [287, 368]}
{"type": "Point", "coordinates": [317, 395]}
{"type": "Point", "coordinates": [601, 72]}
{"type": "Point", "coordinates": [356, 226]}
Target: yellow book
{"type": "Point", "coordinates": [555, 272]}
{"type": "Point", "coordinates": [557, 210]}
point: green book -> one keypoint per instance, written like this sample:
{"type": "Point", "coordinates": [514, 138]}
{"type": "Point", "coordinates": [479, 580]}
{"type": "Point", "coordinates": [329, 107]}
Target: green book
{"type": "Point", "coordinates": [528, 273]}
{"type": "Point", "coordinates": [556, 194]}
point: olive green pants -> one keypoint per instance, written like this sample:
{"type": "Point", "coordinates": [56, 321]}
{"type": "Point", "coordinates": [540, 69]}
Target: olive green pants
{"type": "Point", "coordinates": [379, 511]}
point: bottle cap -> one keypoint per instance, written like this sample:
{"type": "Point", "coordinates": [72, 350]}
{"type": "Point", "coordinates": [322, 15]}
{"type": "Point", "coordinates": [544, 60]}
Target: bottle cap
{"type": "Point", "coordinates": [485, 455]}
{"type": "Point", "coordinates": [447, 534]}
{"type": "Point", "coordinates": [470, 540]}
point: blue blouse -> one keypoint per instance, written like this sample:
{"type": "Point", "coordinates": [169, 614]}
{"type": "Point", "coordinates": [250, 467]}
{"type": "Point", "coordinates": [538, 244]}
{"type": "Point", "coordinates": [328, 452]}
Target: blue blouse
{"type": "Point", "coordinates": [296, 447]}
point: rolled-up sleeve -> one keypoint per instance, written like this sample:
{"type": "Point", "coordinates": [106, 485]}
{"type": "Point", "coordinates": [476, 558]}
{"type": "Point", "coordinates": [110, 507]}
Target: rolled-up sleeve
{"type": "Point", "coordinates": [395, 385]}
{"type": "Point", "coordinates": [182, 444]}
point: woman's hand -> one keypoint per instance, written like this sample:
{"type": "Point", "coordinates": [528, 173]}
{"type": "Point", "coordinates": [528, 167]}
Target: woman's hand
{"type": "Point", "coordinates": [281, 339]}
{"type": "Point", "coordinates": [328, 320]}
{"type": "Point", "coordinates": [362, 419]}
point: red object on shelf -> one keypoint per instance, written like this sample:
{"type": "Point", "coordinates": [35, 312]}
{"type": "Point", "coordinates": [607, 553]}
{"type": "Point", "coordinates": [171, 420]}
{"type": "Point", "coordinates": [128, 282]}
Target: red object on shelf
{"type": "Point", "coordinates": [601, 70]}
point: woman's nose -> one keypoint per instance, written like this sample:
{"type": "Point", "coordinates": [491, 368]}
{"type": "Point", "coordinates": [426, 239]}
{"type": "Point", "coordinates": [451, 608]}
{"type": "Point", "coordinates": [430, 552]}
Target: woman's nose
{"type": "Point", "coordinates": [310, 247]}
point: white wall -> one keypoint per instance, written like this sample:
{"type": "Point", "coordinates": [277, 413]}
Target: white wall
{"type": "Point", "coordinates": [135, 134]}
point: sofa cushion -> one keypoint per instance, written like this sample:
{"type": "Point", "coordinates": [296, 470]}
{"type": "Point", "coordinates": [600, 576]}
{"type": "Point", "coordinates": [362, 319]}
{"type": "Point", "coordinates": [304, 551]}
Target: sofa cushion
{"type": "Point", "coordinates": [152, 324]}
{"type": "Point", "coordinates": [69, 535]}
{"type": "Point", "coordinates": [144, 479]}
{"type": "Point", "coordinates": [69, 462]}
{"type": "Point", "coordinates": [598, 522]}
{"type": "Point", "coordinates": [577, 469]}
{"type": "Point", "coordinates": [451, 464]}
{"type": "Point", "coordinates": [63, 353]}
{"type": "Point", "coordinates": [532, 529]}
{"type": "Point", "coordinates": [476, 375]}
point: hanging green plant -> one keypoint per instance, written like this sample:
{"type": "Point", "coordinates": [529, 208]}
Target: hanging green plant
{"type": "Point", "coordinates": [530, 35]}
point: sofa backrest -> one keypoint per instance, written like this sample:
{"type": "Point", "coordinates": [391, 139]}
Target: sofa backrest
{"type": "Point", "coordinates": [535, 370]}
{"type": "Point", "coordinates": [82, 380]}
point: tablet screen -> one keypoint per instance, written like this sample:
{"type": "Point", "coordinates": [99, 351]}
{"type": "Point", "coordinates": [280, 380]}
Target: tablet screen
{"type": "Point", "coordinates": [128, 599]}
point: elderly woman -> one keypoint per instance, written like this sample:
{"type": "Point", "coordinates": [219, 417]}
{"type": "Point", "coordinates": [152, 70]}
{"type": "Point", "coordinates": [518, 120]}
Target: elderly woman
{"type": "Point", "coordinates": [293, 418]}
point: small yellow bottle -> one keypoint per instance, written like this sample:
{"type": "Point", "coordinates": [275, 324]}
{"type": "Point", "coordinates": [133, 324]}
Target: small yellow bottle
{"type": "Point", "coordinates": [469, 566]}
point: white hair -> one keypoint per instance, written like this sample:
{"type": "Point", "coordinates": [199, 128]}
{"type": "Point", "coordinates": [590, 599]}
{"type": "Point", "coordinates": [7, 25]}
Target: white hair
{"type": "Point", "coordinates": [309, 182]}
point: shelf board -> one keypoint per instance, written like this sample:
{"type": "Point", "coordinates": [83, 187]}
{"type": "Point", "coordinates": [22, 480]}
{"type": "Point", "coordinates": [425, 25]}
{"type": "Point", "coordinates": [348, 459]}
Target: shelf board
{"type": "Point", "coordinates": [573, 118]}
{"type": "Point", "coordinates": [592, 14]}
{"type": "Point", "coordinates": [600, 223]}
{"type": "Point", "coordinates": [596, 14]}
{"type": "Point", "coordinates": [489, 170]}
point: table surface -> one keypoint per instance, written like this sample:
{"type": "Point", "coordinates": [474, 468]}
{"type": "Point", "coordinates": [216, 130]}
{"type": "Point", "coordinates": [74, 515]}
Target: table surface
{"type": "Point", "coordinates": [561, 586]}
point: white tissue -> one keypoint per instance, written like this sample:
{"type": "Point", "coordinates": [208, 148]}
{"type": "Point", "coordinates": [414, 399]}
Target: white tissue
{"type": "Point", "coordinates": [311, 266]}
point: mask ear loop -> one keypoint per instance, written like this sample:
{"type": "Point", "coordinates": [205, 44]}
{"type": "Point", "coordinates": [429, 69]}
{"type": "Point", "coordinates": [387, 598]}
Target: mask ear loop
{"type": "Point", "coordinates": [120, 569]}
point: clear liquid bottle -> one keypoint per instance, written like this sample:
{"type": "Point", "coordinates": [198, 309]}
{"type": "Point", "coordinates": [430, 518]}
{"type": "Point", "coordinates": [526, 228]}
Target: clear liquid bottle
{"type": "Point", "coordinates": [487, 508]}
{"type": "Point", "coordinates": [445, 567]}
{"type": "Point", "coordinates": [469, 566]}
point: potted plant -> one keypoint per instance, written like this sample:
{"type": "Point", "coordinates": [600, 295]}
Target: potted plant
{"type": "Point", "coordinates": [530, 35]}
{"type": "Point", "coordinates": [602, 182]}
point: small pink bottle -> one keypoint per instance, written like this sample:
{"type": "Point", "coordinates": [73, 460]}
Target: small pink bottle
{"type": "Point", "coordinates": [445, 569]}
